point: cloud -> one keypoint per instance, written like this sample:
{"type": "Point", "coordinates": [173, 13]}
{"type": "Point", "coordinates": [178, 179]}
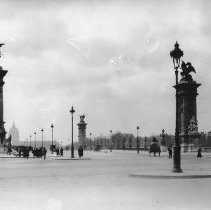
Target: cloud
{"type": "Point", "coordinates": [108, 59]}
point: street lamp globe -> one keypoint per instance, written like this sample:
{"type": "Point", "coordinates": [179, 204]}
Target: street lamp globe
{"type": "Point", "coordinates": [176, 55]}
{"type": "Point", "coordinates": [72, 110]}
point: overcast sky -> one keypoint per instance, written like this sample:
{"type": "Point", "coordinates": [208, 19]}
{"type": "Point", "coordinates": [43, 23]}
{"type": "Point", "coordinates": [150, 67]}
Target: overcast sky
{"type": "Point", "coordinates": [109, 59]}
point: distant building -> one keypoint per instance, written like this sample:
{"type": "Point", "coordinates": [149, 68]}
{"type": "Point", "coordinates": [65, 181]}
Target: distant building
{"type": "Point", "coordinates": [14, 133]}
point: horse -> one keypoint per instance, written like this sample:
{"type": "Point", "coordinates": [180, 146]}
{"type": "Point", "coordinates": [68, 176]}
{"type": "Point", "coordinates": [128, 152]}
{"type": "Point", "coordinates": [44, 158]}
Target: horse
{"type": "Point", "coordinates": [154, 148]}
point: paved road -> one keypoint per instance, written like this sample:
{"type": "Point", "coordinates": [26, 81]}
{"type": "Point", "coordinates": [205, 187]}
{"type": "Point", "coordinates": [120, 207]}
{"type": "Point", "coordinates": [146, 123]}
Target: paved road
{"type": "Point", "coordinates": [101, 181]}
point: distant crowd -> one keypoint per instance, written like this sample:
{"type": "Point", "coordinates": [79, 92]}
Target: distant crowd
{"type": "Point", "coordinates": [41, 152]}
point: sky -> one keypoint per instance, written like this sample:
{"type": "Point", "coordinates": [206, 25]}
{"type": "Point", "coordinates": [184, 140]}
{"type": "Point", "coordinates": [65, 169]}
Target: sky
{"type": "Point", "coordinates": [108, 59]}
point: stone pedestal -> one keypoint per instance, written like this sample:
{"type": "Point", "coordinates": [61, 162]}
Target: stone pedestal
{"type": "Point", "coordinates": [187, 93]}
{"type": "Point", "coordinates": [82, 132]}
{"type": "Point", "coordinates": [2, 129]}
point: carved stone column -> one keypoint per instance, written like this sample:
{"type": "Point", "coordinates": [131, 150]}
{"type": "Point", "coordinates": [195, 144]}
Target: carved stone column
{"type": "Point", "coordinates": [187, 93]}
{"type": "Point", "coordinates": [2, 129]}
{"type": "Point", "coordinates": [82, 132]}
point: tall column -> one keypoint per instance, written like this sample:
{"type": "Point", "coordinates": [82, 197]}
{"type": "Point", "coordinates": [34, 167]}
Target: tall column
{"type": "Point", "coordinates": [2, 129]}
{"type": "Point", "coordinates": [187, 93]}
{"type": "Point", "coordinates": [82, 131]}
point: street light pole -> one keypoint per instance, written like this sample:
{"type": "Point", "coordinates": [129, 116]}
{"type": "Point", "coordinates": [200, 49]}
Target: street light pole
{"type": "Point", "coordinates": [72, 146]}
{"type": "Point", "coordinates": [30, 139]}
{"type": "Point", "coordinates": [130, 143]}
{"type": "Point", "coordinates": [42, 137]}
{"type": "Point", "coordinates": [35, 140]}
{"type": "Point", "coordinates": [137, 140]}
{"type": "Point", "coordinates": [123, 143]}
{"type": "Point", "coordinates": [90, 141]}
{"type": "Point", "coordinates": [52, 126]}
{"type": "Point", "coordinates": [145, 143]}
{"type": "Point", "coordinates": [163, 137]}
{"type": "Point", "coordinates": [110, 141]}
{"type": "Point", "coordinates": [176, 55]}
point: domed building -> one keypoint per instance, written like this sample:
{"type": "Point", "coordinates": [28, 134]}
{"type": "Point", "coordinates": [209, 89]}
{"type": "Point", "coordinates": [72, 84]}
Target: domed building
{"type": "Point", "coordinates": [14, 133]}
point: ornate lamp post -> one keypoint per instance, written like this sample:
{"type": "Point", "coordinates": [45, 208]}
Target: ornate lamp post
{"type": "Point", "coordinates": [35, 140]}
{"type": "Point", "coordinates": [110, 141]}
{"type": "Point", "coordinates": [72, 146]}
{"type": "Point", "coordinates": [176, 55]}
{"type": "Point", "coordinates": [42, 137]}
{"type": "Point", "coordinates": [30, 140]}
{"type": "Point", "coordinates": [145, 143]}
{"type": "Point", "coordinates": [163, 134]}
{"type": "Point", "coordinates": [137, 140]}
{"type": "Point", "coordinates": [52, 126]}
{"type": "Point", "coordinates": [101, 144]}
{"type": "Point", "coordinates": [123, 143]}
{"type": "Point", "coordinates": [90, 143]}
{"type": "Point", "coordinates": [130, 143]}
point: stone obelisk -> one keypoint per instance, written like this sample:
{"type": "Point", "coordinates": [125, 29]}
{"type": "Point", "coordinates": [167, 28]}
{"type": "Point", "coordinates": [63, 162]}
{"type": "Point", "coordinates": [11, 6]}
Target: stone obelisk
{"type": "Point", "coordinates": [2, 129]}
{"type": "Point", "coordinates": [82, 132]}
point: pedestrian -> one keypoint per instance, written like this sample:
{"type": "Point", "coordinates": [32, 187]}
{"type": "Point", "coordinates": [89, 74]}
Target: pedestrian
{"type": "Point", "coordinates": [9, 150]}
{"type": "Point", "coordinates": [61, 151]}
{"type": "Point", "coordinates": [19, 152]}
{"type": "Point", "coordinates": [80, 151]}
{"type": "Point", "coordinates": [27, 152]}
{"type": "Point", "coordinates": [44, 153]}
{"type": "Point", "coordinates": [57, 151]}
{"type": "Point", "coordinates": [170, 152]}
{"type": "Point", "coordinates": [199, 153]}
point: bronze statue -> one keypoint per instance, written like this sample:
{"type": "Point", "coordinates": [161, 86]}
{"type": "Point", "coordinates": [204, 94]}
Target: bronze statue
{"type": "Point", "coordinates": [187, 68]}
{"type": "Point", "coordinates": [193, 127]}
{"type": "Point", "coordinates": [82, 117]}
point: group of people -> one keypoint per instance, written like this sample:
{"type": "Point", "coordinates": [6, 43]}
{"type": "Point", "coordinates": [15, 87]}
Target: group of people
{"type": "Point", "coordinates": [59, 151]}
{"type": "Point", "coordinates": [36, 152]}
{"type": "Point", "coordinates": [39, 152]}
{"type": "Point", "coordinates": [24, 151]}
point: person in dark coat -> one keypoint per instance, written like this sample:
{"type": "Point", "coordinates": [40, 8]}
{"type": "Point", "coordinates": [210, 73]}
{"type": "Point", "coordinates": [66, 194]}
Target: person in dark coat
{"type": "Point", "coordinates": [170, 152]}
{"type": "Point", "coordinates": [19, 152]}
{"type": "Point", "coordinates": [61, 151]}
{"type": "Point", "coordinates": [80, 151]}
{"type": "Point", "coordinates": [44, 153]}
{"type": "Point", "coordinates": [199, 152]}
{"type": "Point", "coordinates": [57, 151]}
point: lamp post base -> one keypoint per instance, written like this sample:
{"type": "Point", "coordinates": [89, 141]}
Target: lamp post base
{"type": "Point", "coordinates": [176, 159]}
{"type": "Point", "coordinates": [72, 152]}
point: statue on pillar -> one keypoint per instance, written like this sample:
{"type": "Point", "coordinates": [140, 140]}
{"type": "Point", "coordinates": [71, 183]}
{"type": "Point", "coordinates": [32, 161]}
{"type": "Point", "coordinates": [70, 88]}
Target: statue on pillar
{"type": "Point", "coordinates": [82, 117]}
{"type": "Point", "coordinates": [187, 94]}
{"type": "Point", "coordinates": [193, 134]}
{"type": "Point", "coordinates": [82, 132]}
{"type": "Point", "coordinates": [193, 127]}
{"type": "Point", "coordinates": [187, 68]}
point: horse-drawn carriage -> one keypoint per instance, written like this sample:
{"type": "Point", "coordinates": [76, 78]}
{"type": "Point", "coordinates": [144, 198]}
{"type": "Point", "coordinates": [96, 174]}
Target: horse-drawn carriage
{"type": "Point", "coordinates": [154, 148]}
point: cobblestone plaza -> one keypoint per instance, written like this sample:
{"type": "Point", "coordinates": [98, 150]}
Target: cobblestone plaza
{"type": "Point", "coordinates": [102, 180]}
